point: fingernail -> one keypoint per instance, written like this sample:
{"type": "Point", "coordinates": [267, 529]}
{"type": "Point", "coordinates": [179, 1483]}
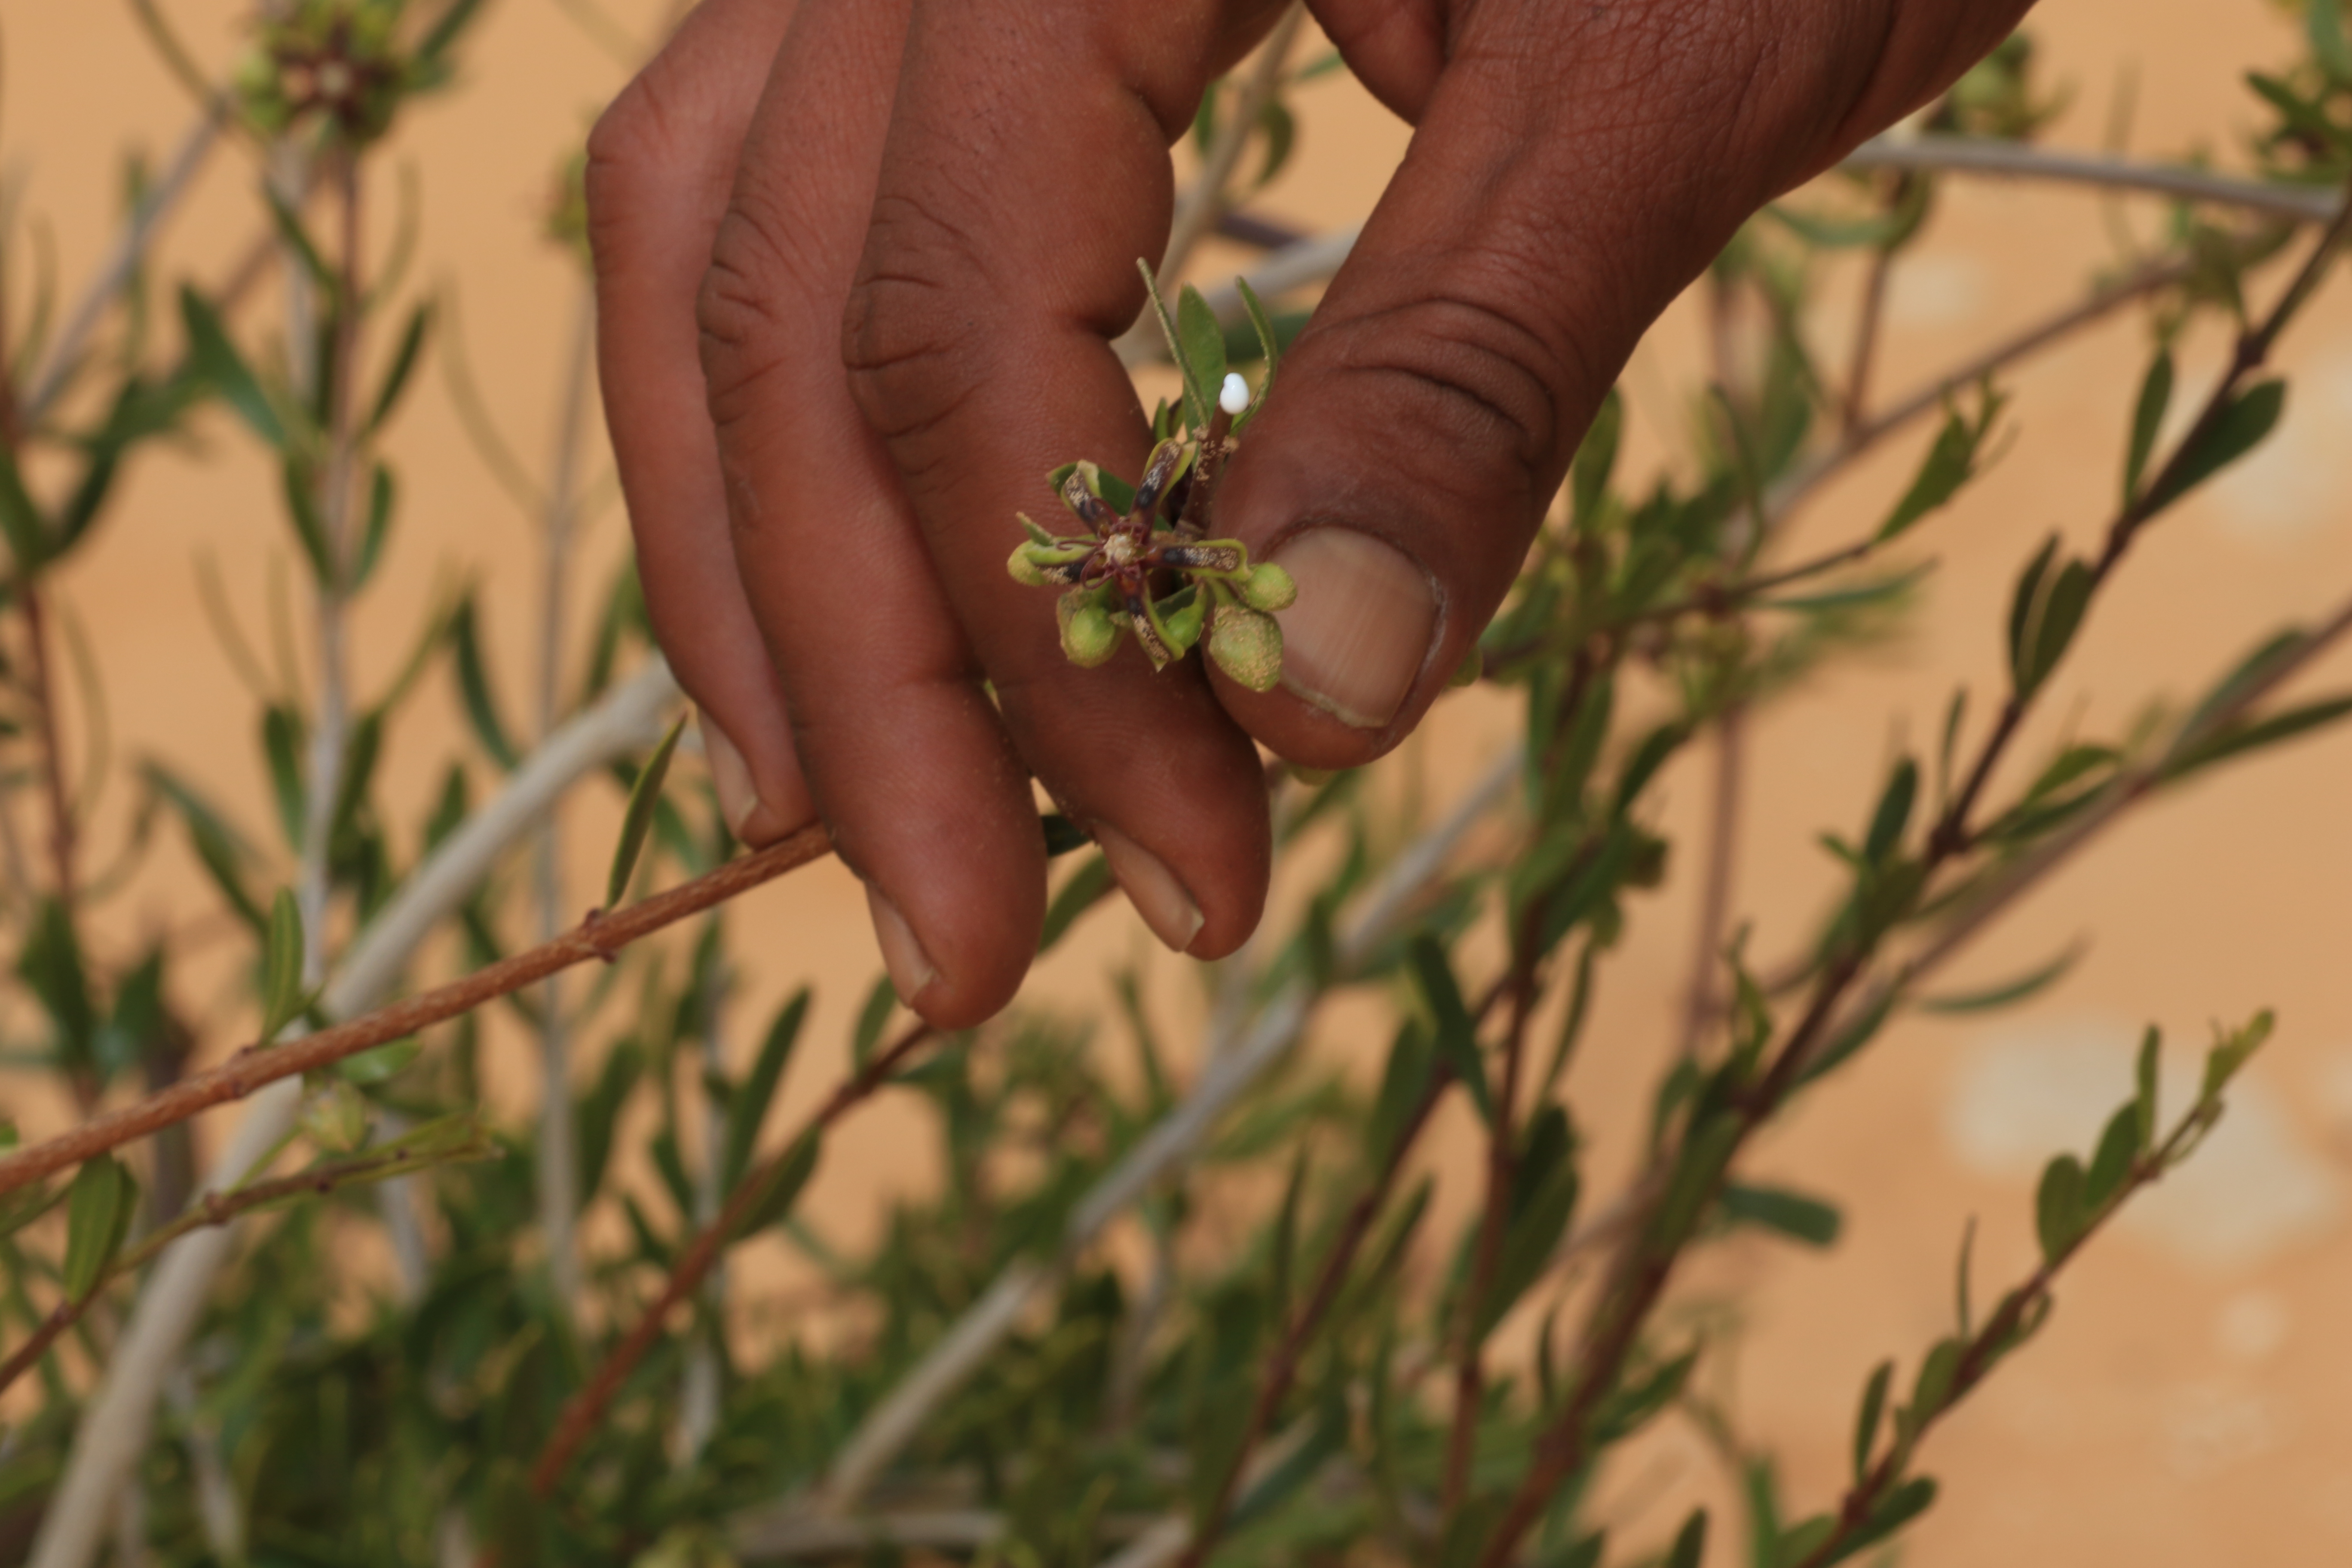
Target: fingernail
{"type": "Point", "coordinates": [911, 967]}
{"type": "Point", "coordinates": [1359, 634]}
{"type": "Point", "coordinates": [730, 776]}
{"type": "Point", "coordinates": [1152, 888]}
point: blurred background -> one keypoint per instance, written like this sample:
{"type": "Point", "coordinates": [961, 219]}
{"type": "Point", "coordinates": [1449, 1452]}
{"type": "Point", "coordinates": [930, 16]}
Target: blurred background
{"type": "Point", "coordinates": [2192, 1398]}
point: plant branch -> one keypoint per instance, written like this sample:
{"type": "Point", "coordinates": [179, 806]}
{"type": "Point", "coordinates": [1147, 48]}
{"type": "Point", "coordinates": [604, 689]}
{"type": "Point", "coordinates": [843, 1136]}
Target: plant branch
{"type": "Point", "coordinates": [210, 1210]}
{"type": "Point", "coordinates": [893, 1422]}
{"type": "Point", "coordinates": [2018, 159]}
{"type": "Point", "coordinates": [115, 1422]}
{"type": "Point", "coordinates": [588, 1406]}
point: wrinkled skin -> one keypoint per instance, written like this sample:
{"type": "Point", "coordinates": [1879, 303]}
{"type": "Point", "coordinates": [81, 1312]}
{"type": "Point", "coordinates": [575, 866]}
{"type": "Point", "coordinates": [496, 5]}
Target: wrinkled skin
{"type": "Point", "coordinates": [857, 264]}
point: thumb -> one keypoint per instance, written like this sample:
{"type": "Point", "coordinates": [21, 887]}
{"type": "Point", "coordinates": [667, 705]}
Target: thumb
{"type": "Point", "coordinates": [1573, 170]}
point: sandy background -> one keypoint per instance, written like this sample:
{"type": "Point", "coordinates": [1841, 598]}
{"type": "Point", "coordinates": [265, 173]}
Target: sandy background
{"type": "Point", "coordinates": [2189, 1402]}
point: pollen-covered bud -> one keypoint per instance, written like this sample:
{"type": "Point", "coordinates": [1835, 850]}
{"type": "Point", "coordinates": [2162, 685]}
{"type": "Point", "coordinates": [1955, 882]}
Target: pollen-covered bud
{"type": "Point", "coordinates": [1269, 588]}
{"type": "Point", "coordinates": [1247, 646]}
{"type": "Point", "coordinates": [1089, 637]}
{"type": "Point", "coordinates": [335, 1116]}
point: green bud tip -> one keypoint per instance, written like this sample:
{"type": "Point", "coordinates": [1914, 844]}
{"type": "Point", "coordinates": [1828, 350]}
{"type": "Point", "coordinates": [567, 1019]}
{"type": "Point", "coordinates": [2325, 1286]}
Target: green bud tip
{"type": "Point", "coordinates": [1269, 588]}
{"type": "Point", "coordinates": [1089, 635]}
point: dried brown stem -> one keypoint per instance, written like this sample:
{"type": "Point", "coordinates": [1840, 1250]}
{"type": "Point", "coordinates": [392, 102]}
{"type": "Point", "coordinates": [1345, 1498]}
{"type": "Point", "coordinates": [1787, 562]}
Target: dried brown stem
{"type": "Point", "coordinates": [601, 936]}
{"type": "Point", "coordinates": [588, 1406]}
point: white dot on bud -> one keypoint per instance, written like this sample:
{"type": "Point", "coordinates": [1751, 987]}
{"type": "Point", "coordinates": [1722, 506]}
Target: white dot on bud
{"type": "Point", "coordinates": [1235, 396]}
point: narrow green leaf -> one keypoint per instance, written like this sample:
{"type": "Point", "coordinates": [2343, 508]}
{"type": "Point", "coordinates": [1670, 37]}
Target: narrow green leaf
{"type": "Point", "coordinates": [2323, 24]}
{"type": "Point", "coordinates": [2230, 1051]}
{"type": "Point", "coordinates": [98, 1207]}
{"type": "Point", "coordinates": [1792, 1215]}
{"type": "Point", "coordinates": [2277, 728]}
{"type": "Point", "coordinates": [1196, 402]}
{"type": "Point", "coordinates": [1690, 1541]}
{"type": "Point", "coordinates": [1270, 342]}
{"type": "Point", "coordinates": [780, 1187]}
{"type": "Point", "coordinates": [1596, 459]}
{"type": "Point", "coordinates": [2009, 992]}
{"type": "Point", "coordinates": [2243, 423]}
{"type": "Point", "coordinates": [2147, 417]}
{"type": "Point", "coordinates": [223, 369]}
{"type": "Point", "coordinates": [2111, 1162]}
{"type": "Point", "coordinates": [404, 362]}
{"type": "Point", "coordinates": [296, 483]}
{"type": "Point", "coordinates": [50, 964]}
{"type": "Point", "coordinates": [1283, 1248]}
{"type": "Point", "coordinates": [2059, 616]}
{"type": "Point", "coordinates": [1950, 463]}
{"type": "Point", "coordinates": [1892, 816]}
{"type": "Point", "coordinates": [2024, 603]}
{"type": "Point", "coordinates": [474, 687]}
{"type": "Point", "coordinates": [879, 1002]}
{"type": "Point", "coordinates": [1203, 363]}
{"type": "Point", "coordinates": [639, 817]}
{"type": "Point", "coordinates": [218, 846]}
{"type": "Point", "coordinates": [2144, 1077]}
{"type": "Point", "coordinates": [1866, 1420]}
{"type": "Point", "coordinates": [749, 1106]}
{"type": "Point", "coordinates": [281, 971]}
{"type": "Point", "coordinates": [21, 522]}
{"type": "Point", "coordinates": [1454, 1038]}
{"type": "Point", "coordinates": [382, 493]}
{"type": "Point", "coordinates": [1963, 1298]}
{"type": "Point", "coordinates": [1705, 1153]}
{"type": "Point", "coordinates": [1403, 1083]}
{"type": "Point", "coordinates": [1802, 1539]}
{"type": "Point", "coordinates": [1932, 1389]}
{"type": "Point", "coordinates": [1904, 1504]}
{"type": "Point", "coordinates": [2058, 1207]}
{"type": "Point", "coordinates": [1086, 886]}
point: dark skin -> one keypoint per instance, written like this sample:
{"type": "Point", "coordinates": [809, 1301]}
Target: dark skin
{"type": "Point", "coordinates": [859, 266]}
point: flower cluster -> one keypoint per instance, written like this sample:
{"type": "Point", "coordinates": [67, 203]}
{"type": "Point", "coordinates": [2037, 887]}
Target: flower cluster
{"type": "Point", "coordinates": [1141, 571]}
{"type": "Point", "coordinates": [337, 59]}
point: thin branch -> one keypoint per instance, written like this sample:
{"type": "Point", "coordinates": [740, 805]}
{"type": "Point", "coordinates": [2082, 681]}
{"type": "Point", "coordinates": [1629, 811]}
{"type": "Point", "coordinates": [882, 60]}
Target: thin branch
{"type": "Point", "coordinates": [2019, 160]}
{"type": "Point", "coordinates": [966, 1344]}
{"type": "Point", "coordinates": [685, 1276]}
{"type": "Point", "coordinates": [114, 1427]}
{"type": "Point", "coordinates": [1699, 993]}
{"type": "Point", "coordinates": [128, 249]}
{"type": "Point", "coordinates": [598, 938]}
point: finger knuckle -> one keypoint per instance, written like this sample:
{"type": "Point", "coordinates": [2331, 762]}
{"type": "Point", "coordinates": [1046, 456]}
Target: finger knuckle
{"type": "Point", "coordinates": [629, 146]}
{"type": "Point", "coordinates": [909, 342]}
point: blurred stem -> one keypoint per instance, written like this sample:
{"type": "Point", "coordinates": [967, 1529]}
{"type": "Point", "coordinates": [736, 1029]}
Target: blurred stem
{"type": "Point", "coordinates": [1870, 314]}
{"type": "Point", "coordinates": [1700, 997]}
{"type": "Point", "coordinates": [558, 1153]}
{"type": "Point", "coordinates": [1983, 155]}
{"type": "Point", "coordinates": [698, 1394]}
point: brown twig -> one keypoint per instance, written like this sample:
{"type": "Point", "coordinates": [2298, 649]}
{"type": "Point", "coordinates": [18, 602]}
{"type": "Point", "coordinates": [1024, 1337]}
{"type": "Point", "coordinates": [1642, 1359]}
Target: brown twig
{"type": "Point", "coordinates": [587, 1407]}
{"type": "Point", "coordinates": [600, 937]}
{"type": "Point", "coordinates": [211, 1209]}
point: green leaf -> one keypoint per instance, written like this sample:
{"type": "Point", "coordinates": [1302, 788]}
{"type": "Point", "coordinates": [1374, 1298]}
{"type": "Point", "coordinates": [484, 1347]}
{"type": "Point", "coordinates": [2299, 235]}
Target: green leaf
{"type": "Point", "coordinates": [748, 1108]}
{"type": "Point", "coordinates": [780, 1187]}
{"type": "Point", "coordinates": [98, 1216]}
{"type": "Point", "coordinates": [1690, 1541]}
{"type": "Point", "coordinates": [403, 361]}
{"type": "Point", "coordinates": [1932, 1389]}
{"type": "Point", "coordinates": [2051, 629]}
{"type": "Point", "coordinates": [1904, 1504]}
{"type": "Point", "coordinates": [1894, 813]}
{"type": "Point", "coordinates": [879, 1002]}
{"type": "Point", "coordinates": [281, 747]}
{"type": "Point", "coordinates": [2147, 417]}
{"type": "Point", "coordinates": [382, 493]}
{"type": "Point", "coordinates": [1950, 463]}
{"type": "Point", "coordinates": [2144, 1077]}
{"type": "Point", "coordinates": [1403, 1083]}
{"type": "Point", "coordinates": [2058, 1207]}
{"type": "Point", "coordinates": [1203, 361]}
{"type": "Point", "coordinates": [1793, 1215]}
{"type": "Point", "coordinates": [296, 479]}
{"type": "Point", "coordinates": [2323, 24]}
{"type": "Point", "coordinates": [1963, 1308]}
{"type": "Point", "coordinates": [2023, 603]}
{"type": "Point", "coordinates": [1867, 1419]}
{"type": "Point", "coordinates": [1704, 1154]}
{"type": "Point", "coordinates": [2230, 1051]}
{"type": "Point", "coordinates": [27, 531]}
{"type": "Point", "coordinates": [639, 817]}
{"type": "Point", "coordinates": [1453, 1036]}
{"type": "Point", "coordinates": [1086, 886]}
{"type": "Point", "coordinates": [1596, 459]}
{"type": "Point", "coordinates": [1629, 1408]}
{"type": "Point", "coordinates": [2111, 1163]}
{"type": "Point", "coordinates": [223, 369]}
{"type": "Point", "coordinates": [380, 1065]}
{"type": "Point", "coordinates": [1533, 1233]}
{"type": "Point", "coordinates": [474, 687]}
{"type": "Point", "coordinates": [1196, 402]}
{"type": "Point", "coordinates": [1269, 341]}
{"type": "Point", "coordinates": [282, 971]}
{"type": "Point", "coordinates": [2237, 739]}
{"type": "Point", "coordinates": [50, 964]}
{"type": "Point", "coordinates": [2243, 422]}
{"type": "Point", "coordinates": [216, 844]}
{"type": "Point", "coordinates": [2009, 992]}
{"type": "Point", "coordinates": [1802, 1539]}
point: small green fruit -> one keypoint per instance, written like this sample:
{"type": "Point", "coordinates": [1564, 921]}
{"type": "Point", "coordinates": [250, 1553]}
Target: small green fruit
{"type": "Point", "coordinates": [1269, 588]}
{"type": "Point", "coordinates": [1247, 646]}
{"type": "Point", "coordinates": [1089, 635]}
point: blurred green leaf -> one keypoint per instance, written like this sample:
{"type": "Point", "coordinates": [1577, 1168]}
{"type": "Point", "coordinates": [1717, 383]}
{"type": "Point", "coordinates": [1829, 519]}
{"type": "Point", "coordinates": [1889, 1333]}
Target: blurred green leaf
{"type": "Point", "coordinates": [1452, 1034]}
{"type": "Point", "coordinates": [2112, 1161]}
{"type": "Point", "coordinates": [2058, 1207]}
{"type": "Point", "coordinates": [282, 971]}
{"type": "Point", "coordinates": [1867, 1419]}
{"type": "Point", "coordinates": [749, 1107]}
{"type": "Point", "coordinates": [98, 1207]}
{"type": "Point", "coordinates": [50, 964]}
{"type": "Point", "coordinates": [880, 1002]}
{"type": "Point", "coordinates": [1950, 462]}
{"type": "Point", "coordinates": [1792, 1215]}
{"type": "Point", "coordinates": [223, 369]}
{"type": "Point", "coordinates": [404, 362]}
{"type": "Point", "coordinates": [474, 687]}
{"type": "Point", "coordinates": [2009, 992]}
{"type": "Point", "coordinates": [2245, 420]}
{"type": "Point", "coordinates": [1690, 1542]}
{"type": "Point", "coordinates": [637, 817]}
{"type": "Point", "coordinates": [2147, 418]}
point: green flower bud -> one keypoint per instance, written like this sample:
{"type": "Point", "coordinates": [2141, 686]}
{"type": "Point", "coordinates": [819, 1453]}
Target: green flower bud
{"type": "Point", "coordinates": [1089, 637]}
{"type": "Point", "coordinates": [1269, 588]}
{"type": "Point", "coordinates": [335, 1117]}
{"type": "Point", "coordinates": [1023, 570]}
{"type": "Point", "coordinates": [1247, 646]}
{"type": "Point", "coordinates": [1183, 626]}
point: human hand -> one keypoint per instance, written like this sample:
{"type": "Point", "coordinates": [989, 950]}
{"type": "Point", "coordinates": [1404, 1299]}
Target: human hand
{"type": "Point", "coordinates": [859, 263]}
